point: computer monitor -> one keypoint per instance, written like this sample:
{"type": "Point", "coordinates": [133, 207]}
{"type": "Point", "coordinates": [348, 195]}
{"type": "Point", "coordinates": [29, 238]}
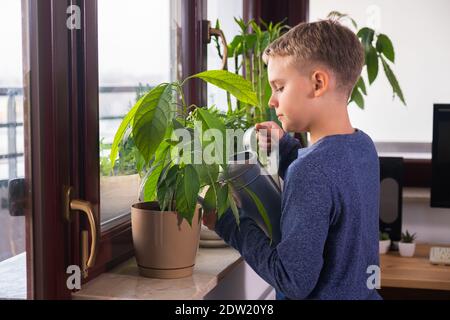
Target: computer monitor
{"type": "Point", "coordinates": [440, 163]}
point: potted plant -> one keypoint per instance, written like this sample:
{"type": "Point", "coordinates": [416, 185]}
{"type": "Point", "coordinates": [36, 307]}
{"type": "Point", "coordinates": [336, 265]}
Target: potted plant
{"type": "Point", "coordinates": [184, 150]}
{"type": "Point", "coordinates": [407, 246]}
{"type": "Point", "coordinates": [385, 242]}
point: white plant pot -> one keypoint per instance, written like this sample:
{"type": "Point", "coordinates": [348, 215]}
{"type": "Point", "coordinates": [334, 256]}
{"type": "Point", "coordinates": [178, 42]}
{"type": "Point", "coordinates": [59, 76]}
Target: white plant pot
{"type": "Point", "coordinates": [384, 246]}
{"type": "Point", "coordinates": [406, 249]}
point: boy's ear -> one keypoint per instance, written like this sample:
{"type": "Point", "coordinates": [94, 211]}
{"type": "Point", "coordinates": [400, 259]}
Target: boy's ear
{"type": "Point", "coordinates": [321, 82]}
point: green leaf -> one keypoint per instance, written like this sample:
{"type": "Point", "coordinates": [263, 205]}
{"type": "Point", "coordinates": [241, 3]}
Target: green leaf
{"type": "Point", "coordinates": [366, 36]}
{"type": "Point", "coordinates": [166, 187]}
{"type": "Point", "coordinates": [384, 46]}
{"type": "Point", "coordinates": [357, 98]}
{"type": "Point", "coordinates": [151, 178]}
{"type": "Point", "coordinates": [232, 204]}
{"type": "Point", "coordinates": [235, 84]}
{"type": "Point", "coordinates": [262, 211]}
{"type": "Point", "coordinates": [222, 199]}
{"type": "Point", "coordinates": [210, 202]}
{"type": "Point", "coordinates": [393, 81]}
{"type": "Point", "coordinates": [207, 173]}
{"type": "Point", "coordinates": [372, 64]}
{"type": "Point", "coordinates": [234, 45]}
{"type": "Point", "coordinates": [122, 129]}
{"type": "Point", "coordinates": [152, 119]}
{"type": "Point", "coordinates": [210, 121]}
{"type": "Point", "coordinates": [265, 40]}
{"type": "Point", "coordinates": [361, 85]}
{"type": "Point", "coordinates": [187, 190]}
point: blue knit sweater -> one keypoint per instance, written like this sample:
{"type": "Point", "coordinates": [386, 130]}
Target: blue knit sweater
{"type": "Point", "coordinates": [329, 221]}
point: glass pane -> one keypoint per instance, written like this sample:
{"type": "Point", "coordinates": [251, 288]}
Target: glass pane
{"type": "Point", "coordinates": [225, 12]}
{"type": "Point", "coordinates": [142, 57]}
{"type": "Point", "coordinates": [12, 227]}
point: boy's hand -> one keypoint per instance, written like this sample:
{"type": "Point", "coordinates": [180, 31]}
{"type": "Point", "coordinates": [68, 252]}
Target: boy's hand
{"type": "Point", "coordinates": [271, 128]}
{"type": "Point", "coordinates": [210, 217]}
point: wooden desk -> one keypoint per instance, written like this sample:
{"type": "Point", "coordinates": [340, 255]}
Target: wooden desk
{"type": "Point", "coordinates": [414, 273]}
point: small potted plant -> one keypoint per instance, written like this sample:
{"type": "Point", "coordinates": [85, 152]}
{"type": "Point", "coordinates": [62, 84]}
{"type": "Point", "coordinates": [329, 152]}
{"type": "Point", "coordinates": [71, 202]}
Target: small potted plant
{"type": "Point", "coordinates": [407, 246]}
{"type": "Point", "coordinates": [385, 242]}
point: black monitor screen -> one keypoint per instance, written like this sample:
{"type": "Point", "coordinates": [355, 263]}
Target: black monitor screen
{"type": "Point", "coordinates": [440, 182]}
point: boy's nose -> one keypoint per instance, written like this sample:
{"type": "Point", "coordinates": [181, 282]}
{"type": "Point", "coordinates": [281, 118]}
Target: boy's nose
{"type": "Point", "coordinates": [273, 103]}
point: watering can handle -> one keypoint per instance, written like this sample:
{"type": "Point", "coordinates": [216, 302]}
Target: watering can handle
{"type": "Point", "coordinates": [249, 140]}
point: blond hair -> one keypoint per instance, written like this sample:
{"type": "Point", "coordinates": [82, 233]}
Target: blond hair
{"type": "Point", "coordinates": [326, 42]}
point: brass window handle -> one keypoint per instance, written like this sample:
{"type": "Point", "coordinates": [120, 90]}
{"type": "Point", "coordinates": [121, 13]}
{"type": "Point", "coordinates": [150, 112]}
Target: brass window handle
{"type": "Point", "coordinates": [221, 35]}
{"type": "Point", "coordinates": [86, 208]}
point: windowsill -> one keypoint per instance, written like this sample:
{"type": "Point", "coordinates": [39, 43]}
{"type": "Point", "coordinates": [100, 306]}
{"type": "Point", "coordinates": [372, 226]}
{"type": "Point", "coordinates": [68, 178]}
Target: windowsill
{"type": "Point", "coordinates": [124, 282]}
{"type": "Point", "coordinates": [13, 282]}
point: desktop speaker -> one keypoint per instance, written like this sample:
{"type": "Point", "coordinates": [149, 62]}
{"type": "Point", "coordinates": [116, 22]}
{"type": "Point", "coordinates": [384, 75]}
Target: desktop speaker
{"type": "Point", "coordinates": [391, 186]}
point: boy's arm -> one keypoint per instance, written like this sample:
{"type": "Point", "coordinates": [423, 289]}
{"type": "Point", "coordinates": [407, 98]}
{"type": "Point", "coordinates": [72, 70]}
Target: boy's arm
{"type": "Point", "coordinates": [288, 148]}
{"type": "Point", "coordinates": [294, 265]}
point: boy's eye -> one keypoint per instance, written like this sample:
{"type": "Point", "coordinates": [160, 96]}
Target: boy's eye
{"type": "Point", "coordinates": [280, 89]}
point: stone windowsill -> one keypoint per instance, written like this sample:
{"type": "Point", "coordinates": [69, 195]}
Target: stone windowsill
{"type": "Point", "coordinates": [13, 280]}
{"type": "Point", "coordinates": [124, 282]}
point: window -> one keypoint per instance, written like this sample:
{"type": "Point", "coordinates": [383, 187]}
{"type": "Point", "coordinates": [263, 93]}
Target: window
{"type": "Point", "coordinates": [12, 228]}
{"type": "Point", "coordinates": [135, 43]}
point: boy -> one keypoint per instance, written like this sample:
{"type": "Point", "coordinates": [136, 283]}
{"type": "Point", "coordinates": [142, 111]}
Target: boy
{"type": "Point", "coordinates": [329, 222]}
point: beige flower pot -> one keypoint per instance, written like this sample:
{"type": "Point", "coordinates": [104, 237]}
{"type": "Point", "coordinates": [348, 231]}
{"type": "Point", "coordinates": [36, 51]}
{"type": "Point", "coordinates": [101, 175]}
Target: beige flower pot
{"type": "Point", "coordinates": [165, 244]}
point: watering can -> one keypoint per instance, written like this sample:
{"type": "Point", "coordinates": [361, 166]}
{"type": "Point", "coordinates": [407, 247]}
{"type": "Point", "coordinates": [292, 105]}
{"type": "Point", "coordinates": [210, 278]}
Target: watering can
{"type": "Point", "coordinates": [250, 180]}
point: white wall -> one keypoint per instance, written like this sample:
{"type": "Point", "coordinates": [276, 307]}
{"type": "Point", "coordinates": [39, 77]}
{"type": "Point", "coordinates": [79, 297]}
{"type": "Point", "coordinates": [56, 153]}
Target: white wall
{"type": "Point", "coordinates": [419, 30]}
{"type": "Point", "coordinates": [432, 225]}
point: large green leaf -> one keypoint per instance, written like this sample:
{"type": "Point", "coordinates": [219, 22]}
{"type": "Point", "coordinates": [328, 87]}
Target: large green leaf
{"type": "Point", "coordinates": [210, 121]}
{"type": "Point", "coordinates": [384, 46]}
{"type": "Point", "coordinates": [152, 119]}
{"type": "Point", "coordinates": [372, 64]}
{"type": "Point", "coordinates": [262, 211]}
{"type": "Point", "coordinates": [123, 127]}
{"type": "Point", "coordinates": [231, 82]}
{"type": "Point", "coordinates": [188, 186]}
{"type": "Point", "coordinates": [393, 80]}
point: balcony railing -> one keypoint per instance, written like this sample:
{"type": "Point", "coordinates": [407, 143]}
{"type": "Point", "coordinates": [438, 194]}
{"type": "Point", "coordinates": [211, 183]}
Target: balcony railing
{"type": "Point", "coordinates": [11, 124]}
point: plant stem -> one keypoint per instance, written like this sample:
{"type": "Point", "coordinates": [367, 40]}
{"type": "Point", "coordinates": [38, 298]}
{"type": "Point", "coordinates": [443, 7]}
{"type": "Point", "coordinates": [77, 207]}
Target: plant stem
{"type": "Point", "coordinates": [183, 103]}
